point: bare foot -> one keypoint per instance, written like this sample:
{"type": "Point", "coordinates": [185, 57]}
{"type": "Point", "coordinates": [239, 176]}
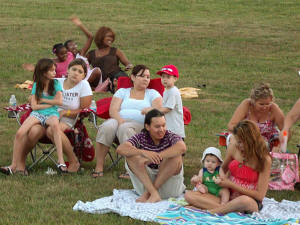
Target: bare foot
{"type": "Point", "coordinates": [144, 197]}
{"type": "Point", "coordinates": [73, 167]}
{"type": "Point", "coordinates": [154, 197]}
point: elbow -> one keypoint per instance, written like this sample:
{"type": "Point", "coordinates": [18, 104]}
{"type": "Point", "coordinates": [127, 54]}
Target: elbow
{"type": "Point", "coordinates": [183, 148]}
{"type": "Point", "coordinates": [34, 107]}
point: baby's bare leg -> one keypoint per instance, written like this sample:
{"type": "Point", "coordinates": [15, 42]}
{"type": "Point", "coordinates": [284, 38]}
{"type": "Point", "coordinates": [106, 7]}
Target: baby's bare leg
{"type": "Point", "coordinates": [224, 194]}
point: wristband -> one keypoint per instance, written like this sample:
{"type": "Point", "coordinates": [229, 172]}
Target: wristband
{"type": "Point", "coordinates": [68, 112]}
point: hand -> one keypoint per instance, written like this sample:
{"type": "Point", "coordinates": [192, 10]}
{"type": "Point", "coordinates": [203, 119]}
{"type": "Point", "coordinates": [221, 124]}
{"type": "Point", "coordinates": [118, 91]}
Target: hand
{"type": "Point", "coordinates": [223, 182]}
{"type": "Point", "coordinates": [62, 113]}
{"type": "Point", "coordinates": [128, 67]}
{"type": "Point", "coordinates": [120, 121]}
{"type": "Point", "coordinates": [201, 188]}
{"type": "Point", "coordinates": [195, 180]}
{"type": "Point", "coordinates": [76, 20]}
{"type": "Point", "coordinates": [153, 157]}
{"type": "Point", "coordinates": [145, 110]}
{"type": "Point", "coordinates": [217, 180]}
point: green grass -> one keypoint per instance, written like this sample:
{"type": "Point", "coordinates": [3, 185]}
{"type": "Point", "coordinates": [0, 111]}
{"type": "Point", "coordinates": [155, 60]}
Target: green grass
{"type": "Point", "coordinates": [227, 45]}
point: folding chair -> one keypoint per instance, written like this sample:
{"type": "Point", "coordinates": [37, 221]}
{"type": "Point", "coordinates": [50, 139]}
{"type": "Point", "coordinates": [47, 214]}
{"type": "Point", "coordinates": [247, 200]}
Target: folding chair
{"type": "Point", "coordinates": [273, 142]}
{"type": "Point", "coordinates": [77, 135]}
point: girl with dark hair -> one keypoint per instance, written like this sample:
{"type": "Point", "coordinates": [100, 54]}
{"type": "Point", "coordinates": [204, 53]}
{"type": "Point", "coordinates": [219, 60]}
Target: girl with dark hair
{"type": "Point", "coordinates": [46, 95]}
{"type": "Point", "coordinates": [63, 59]}
{"type": "Point", "coordinates": [248, 164]}
{"type": "Point", "coordinates": [107, 58]}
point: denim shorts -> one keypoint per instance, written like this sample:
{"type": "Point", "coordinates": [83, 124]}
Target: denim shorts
{"type": "Point", "coordinates": [42, 118]}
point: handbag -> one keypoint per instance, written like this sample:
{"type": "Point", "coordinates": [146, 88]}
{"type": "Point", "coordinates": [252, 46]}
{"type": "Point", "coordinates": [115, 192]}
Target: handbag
{"type": "Point", "coordinates": [284, 171]}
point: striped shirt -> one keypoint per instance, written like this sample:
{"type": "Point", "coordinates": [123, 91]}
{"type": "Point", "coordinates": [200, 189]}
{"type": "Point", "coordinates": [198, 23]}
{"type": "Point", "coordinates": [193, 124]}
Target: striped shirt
{"type": "Point", "coordinates": [144, 141]}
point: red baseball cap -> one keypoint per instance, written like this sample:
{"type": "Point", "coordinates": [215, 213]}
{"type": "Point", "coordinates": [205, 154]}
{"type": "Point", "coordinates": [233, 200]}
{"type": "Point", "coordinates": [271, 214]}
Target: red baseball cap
{"type": "Point", "coordinates": [169, 69]}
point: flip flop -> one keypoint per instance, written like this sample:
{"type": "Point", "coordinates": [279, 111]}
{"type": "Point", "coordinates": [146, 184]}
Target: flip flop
{"type": "Point", "coordinates": [60, 166]}
{"type": "Point", "coordinates": [124, 176]}
{"type": "Point", "coordinates": [6, 170]}
{"type": "Point", "coordinates": [97, 174]}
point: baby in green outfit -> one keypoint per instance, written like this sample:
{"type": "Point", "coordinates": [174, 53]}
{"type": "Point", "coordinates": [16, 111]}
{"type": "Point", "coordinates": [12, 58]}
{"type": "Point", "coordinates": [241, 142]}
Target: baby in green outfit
{"type": "Point", "coordinates": [207, 178]}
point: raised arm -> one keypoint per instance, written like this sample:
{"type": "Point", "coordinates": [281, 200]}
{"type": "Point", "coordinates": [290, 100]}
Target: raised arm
{"type": "Point", "coordinates": [75, 20]}
{"type": "Point", "coordinates": [124, 59]}
{"type": "Point", "coordinates": [239, 114]}
{"type": "Point", "coordinates": [292, 117]}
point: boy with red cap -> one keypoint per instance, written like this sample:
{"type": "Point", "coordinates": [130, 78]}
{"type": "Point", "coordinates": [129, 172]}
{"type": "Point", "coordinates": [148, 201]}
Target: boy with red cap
{"type": "Point", "coordinates": [172, 103]}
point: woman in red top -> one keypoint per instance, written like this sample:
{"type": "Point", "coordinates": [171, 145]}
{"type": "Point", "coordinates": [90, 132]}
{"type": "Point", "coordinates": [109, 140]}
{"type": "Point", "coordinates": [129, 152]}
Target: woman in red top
{"type": "Point", "coordinates": [248, 163]}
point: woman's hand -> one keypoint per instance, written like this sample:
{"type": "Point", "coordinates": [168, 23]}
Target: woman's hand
{"type": "Point", "coordinates": [76, 20]}
{"type": "Point", "coordinates": [128, 67]}
{"type": "Point", "coordinates": [62, 113]}
{"type": "Point", "coordinates": [120, 121]}
{"type": "Point", "coordinates": [223, 182]}
{"type": "Point", "coordinates": [145, 110]}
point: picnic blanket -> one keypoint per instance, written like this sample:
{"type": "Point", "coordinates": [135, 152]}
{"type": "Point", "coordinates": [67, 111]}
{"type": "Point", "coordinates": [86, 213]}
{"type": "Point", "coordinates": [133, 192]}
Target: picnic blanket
{"type": "Point", "coordinates": [180, 215]}
{"type": "Point", "coordinates": [166, 212]}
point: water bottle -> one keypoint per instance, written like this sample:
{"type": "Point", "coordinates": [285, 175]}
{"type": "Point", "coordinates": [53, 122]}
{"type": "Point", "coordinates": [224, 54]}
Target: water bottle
{"type": "Point", "coordinates": [284, 144]}
{"type": "Point", "coordinates": [12, 103]}
{"type": "Point", "coordinates": [93, 106]}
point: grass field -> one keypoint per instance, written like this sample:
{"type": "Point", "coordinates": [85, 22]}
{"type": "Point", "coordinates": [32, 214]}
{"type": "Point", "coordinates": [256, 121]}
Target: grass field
{"type": "Point", "coordinates": [227, 45]}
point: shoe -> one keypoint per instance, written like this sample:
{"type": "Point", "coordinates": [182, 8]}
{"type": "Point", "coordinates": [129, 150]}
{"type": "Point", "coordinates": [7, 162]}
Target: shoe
{"type": "Point", "coordinates": [6, 170]}
{"type": "Point", "coordinates": [97, 174]}
{"type": "Point", "coordinates": [60, 168]}
{"type": "Point", "coordinates": [124, 176]}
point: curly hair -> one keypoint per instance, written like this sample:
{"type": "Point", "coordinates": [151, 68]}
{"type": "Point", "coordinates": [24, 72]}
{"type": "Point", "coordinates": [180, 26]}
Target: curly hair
{"type": "Point", "coordinates": [99, 37]}
{"type": "Point", "coordinates": [255, 147]}
{"type": "Point", "coordinates": [261, 91]}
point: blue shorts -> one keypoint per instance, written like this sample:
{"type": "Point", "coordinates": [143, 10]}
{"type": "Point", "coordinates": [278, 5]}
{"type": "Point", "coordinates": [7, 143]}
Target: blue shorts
{"type": "Point", "coordinates": [42, 118]}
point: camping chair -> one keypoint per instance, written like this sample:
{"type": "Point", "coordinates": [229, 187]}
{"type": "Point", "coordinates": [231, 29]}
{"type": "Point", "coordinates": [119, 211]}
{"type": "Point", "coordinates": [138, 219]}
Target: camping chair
{"type": "Point", "coordinates": [274, 141]}
{"type": "Point", "coordinates": [77, 135]}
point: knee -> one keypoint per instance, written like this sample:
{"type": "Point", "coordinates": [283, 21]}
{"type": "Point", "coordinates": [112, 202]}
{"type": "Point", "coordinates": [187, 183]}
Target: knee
{"type": "Point", "coordinates": [97, 71]}
{"type": "Point", "coordinates": [244, 200]}
{"type": "Point", "coordinates": [20, 133]}
{"type": "Point", "coordinates": [188, 196]}
{"type": "Point", "coordinates": [36, 133]}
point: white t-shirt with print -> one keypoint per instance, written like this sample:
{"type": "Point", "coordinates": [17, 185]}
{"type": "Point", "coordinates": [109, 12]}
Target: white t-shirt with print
{"type": "Point", "coordinates": [71, 97]}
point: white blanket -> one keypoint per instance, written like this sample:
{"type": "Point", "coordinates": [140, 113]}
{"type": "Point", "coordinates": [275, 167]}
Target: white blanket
{"type": "Point", "coordinates": [123, 203]}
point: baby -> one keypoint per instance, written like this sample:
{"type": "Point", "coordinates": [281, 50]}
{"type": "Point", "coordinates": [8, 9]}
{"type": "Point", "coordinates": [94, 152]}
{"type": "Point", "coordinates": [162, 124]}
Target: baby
{"type": "Point", "coordinates": [208, 177]}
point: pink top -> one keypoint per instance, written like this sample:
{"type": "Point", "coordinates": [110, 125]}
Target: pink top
{"type": "Point", "coordinates": [62, 67]}
{"type": "Point", "coordinates": [242, 175]}
{"type": "Point", "coordinates": [267, 129]}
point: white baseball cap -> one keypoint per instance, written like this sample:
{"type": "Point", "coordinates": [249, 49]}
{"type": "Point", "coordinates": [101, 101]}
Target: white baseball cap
{"type": "Point", "coordinates": [214, 151]}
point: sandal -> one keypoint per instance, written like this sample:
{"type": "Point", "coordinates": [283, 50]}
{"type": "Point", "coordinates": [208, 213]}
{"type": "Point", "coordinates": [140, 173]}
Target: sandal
{"type": "Point", "coordinates": [97, 174]}
{"type": "Point", "coordinates": [124, 176]}
{"type": "Point", "coordinates": [60, 168]}
{"type": "Point", "coordinates": [22, 172]}
{"type": "Point", "coordinates": [6, 170]}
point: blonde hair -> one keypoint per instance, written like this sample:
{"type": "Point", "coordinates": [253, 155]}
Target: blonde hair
{"type": "Point", "coordinates": [254, 144]}
{"type": "Point", "coordinates": [261, 91]}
